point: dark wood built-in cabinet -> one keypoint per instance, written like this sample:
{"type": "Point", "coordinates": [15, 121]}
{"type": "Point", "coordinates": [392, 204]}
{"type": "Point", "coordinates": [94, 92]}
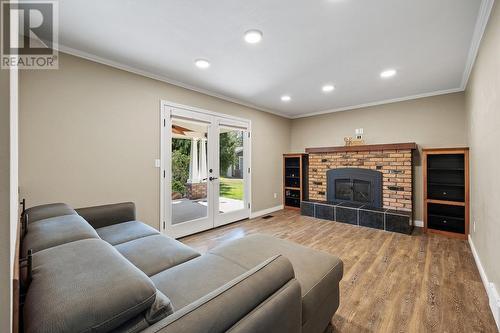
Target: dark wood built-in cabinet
{"type": "Point", "coordinates": [446, 191]}
{"type": "Point", "coordinates": [294, 179]}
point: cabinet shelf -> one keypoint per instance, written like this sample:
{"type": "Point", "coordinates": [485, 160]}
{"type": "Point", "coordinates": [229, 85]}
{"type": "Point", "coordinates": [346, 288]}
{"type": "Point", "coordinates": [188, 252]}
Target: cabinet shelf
{"type": "Point", "coordinates": [447, 184]}
{"type": "Point", "coordinates": [446, 202]}
{"type": "Point", "coordinates": [294, 179]}
{"type": "Point", "coordinates": [445, 169]}
{"type": "Point", "coordinates": [446, 191]}
{"type": "Point", "coordinates": [447, 217]}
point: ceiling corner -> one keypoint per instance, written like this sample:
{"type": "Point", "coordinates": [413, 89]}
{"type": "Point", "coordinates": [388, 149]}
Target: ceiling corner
{"type": "Point", "coordinates": [480, 27]}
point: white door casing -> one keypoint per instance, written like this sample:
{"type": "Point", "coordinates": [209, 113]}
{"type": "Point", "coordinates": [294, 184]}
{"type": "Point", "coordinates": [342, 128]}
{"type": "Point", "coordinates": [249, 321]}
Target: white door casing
{"type": "Point", "coordinates": [214, 122]}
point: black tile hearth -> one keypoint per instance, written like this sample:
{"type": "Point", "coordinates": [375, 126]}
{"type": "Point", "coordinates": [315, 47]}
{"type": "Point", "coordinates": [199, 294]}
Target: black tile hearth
{"type": "Point", "coordinates": [398, 221]}
{"type": "Point", "coordinates": [307, 208]}
{"type": "Point", "coordinates": [346, 215]}
{"type": "Point", "coordinates": [351, 204]}
{"type": "Point", "coordinates": [325, 212]}
{"type": "Point", "coordinates": [372, 218]}
{"type": "Point", "coordinates": [358, 214]}
{"type": "Point", "coordinates": [374, 209]}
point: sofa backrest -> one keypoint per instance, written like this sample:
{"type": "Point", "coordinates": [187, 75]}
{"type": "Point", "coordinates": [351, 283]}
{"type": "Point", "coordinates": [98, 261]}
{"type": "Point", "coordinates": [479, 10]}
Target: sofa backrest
{"type": "Point", "coordinates": [79, 282]}
{"type": "Point", "coordinates": [105, 215]}
{"type": "Point", "coordinates": [87, 286]}
{"type": "Point", "coordinates": [43, 212]}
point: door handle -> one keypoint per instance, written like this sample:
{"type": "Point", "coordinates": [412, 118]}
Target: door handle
{"type": "Point", "coordinates": [212, 178]}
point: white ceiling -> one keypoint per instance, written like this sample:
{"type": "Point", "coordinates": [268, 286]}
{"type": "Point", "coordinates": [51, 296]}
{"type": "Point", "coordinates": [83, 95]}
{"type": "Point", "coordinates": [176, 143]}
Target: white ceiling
{"type": "Point", "coordinates": [431, 43]}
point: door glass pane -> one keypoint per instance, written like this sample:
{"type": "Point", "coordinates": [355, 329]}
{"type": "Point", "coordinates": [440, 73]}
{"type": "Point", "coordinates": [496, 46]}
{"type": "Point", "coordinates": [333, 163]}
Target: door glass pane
{"type": "Point", "coordinates": [189, 170]}
{"type": "Point", "coordinates": [232, 165]}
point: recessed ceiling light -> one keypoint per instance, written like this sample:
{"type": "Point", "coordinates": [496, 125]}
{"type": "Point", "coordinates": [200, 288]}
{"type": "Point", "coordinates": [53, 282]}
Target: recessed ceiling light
{"type": "Point", "coordinates": [328, 88]}
{"type": "Point", "coordinates": [286, 98]}
{"type": "Point", "coordinates": [202, 63]}
{"type": "Point", "coordinates": [388, 73]}
{"type": "Point", "coordinates": [253, 36]}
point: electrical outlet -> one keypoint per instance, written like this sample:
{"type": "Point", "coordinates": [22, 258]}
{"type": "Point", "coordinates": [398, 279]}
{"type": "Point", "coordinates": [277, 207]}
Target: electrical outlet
{"type": "Point", "coordinates": [275, 195]}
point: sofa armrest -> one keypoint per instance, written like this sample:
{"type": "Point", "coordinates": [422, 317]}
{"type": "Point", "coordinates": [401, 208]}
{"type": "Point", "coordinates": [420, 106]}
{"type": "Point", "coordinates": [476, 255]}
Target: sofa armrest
{"type": "Point", "coordinates": [226, 306]}
{"type": "Point", "coordinates": [106, 215]}
{"type": "Point", "coordinates": [279, 313]}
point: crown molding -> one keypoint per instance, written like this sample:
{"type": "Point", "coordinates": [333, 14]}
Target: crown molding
{"type": "Point", "coordinates": [385, 101]}
{"type": "Point", "coordinates": [162, 78]}
{"type": "Point", "coordinates": [130, 69]}
{"type": "Point", "coordinates": [481, 22]}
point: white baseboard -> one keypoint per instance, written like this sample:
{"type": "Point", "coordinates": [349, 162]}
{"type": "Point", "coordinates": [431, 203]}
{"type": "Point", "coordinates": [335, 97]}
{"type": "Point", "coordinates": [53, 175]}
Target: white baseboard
{"type": "Point", "coordinates": [265, 211]}
{"type": "Point", "coordinates": [418, 223]}
{"type": "Point", "coordinates": [491, 290]}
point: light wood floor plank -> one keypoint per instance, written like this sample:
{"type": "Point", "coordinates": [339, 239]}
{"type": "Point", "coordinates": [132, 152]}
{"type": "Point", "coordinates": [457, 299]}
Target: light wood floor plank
{"type": "Point", "coordinates": [392, 282]}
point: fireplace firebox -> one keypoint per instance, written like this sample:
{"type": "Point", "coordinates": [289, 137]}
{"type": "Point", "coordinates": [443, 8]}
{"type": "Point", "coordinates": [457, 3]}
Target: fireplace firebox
{"type": "Point", "coordinates": [363, 186]}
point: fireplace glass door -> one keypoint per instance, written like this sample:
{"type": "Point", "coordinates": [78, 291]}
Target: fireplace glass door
{"type": "Point", "coordinates": [361, 186]}
{"type": "Point", "coordinates": [343, 189]}
{"type": "Point", "coordinates": [361, 191]}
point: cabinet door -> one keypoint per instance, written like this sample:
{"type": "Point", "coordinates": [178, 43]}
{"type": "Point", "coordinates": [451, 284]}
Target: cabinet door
{"type": "Point", "coordinates": [446, 217]}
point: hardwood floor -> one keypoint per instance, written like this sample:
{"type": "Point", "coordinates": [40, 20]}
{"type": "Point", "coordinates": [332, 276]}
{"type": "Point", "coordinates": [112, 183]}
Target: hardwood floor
{"type": "Point", "coordinates": [392, 282]}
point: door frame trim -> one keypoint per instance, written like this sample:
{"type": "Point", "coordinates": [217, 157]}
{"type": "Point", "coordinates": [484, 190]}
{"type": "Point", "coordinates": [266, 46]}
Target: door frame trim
{"type": "Point", "coordinates": [164, 107]}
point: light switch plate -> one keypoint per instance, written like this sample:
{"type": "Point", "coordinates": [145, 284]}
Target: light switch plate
{"type": "Point", "coordinates": [157, 163]}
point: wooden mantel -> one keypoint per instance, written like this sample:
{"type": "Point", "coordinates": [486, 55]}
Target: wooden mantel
{"type": "Point", "coordinates": [390, 146]}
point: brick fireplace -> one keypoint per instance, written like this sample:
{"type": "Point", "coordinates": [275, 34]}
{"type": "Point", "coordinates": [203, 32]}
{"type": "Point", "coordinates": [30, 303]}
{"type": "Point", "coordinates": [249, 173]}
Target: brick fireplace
{"type": "Point", "coordinates": [393, 162]}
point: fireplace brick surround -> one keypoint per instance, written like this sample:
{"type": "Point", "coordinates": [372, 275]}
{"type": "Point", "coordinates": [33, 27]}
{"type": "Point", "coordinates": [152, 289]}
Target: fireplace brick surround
{"type": "Point", "coordinates": [395, 161]}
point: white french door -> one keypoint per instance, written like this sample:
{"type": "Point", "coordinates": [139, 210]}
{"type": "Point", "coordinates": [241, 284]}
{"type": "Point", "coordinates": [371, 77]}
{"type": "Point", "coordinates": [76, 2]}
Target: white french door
{"type": "Point", "coordinates": [205, 179]}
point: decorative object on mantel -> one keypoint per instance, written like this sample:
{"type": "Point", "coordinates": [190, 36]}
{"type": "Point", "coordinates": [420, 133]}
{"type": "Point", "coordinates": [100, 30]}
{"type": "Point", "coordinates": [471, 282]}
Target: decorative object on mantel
{"type": "Point", "coordinates": [446, 191]}
{"type": "Point", "coordinates": [352, 197]}
{"type": "Point", "coordinates": [350, 141]}
{"type": "Point", "coordinates": [358, 141]}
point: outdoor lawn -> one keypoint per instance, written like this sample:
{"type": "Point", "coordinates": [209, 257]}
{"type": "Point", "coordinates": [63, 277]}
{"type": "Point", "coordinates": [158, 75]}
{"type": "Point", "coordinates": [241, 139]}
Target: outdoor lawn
{"type": "Point", "coordinates": [231, 188]}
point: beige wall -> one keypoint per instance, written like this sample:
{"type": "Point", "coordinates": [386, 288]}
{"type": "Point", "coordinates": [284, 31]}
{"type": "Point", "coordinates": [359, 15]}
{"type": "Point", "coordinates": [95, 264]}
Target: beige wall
{"type": "Point", "coordinates": [89, 134]}
{"type": "Point", "coordinates": [430, 122]}
{"type": "Point", "coordinates": [106, 121]}
{"type": "Point", "coordinates": [483, 122]}
{"type": "Point", "coordinates": [5, 250]}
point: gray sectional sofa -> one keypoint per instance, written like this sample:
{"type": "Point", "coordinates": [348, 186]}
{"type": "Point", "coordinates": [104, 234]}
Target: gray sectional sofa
{"type": "Point", "coordinates": [97, 269]}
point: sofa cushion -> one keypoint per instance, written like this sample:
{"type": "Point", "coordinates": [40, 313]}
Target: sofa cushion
{"type": "Point", "coordinates": [124, 232]}
{"type": "Point", "coordinates": [317, 272]}
{"type": "Point", "coordinates": [220, 309]}
{"type": "Point", "coordinates": [43, 212]}
{"type": "Point", "coordinates": [85, 286]}
{"type": "Point", "coordinates": [56, 231]}
{"type": "Point", "coordinates": [187, 282]}
{"type": "Point", "coordinates": [155, 253]}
